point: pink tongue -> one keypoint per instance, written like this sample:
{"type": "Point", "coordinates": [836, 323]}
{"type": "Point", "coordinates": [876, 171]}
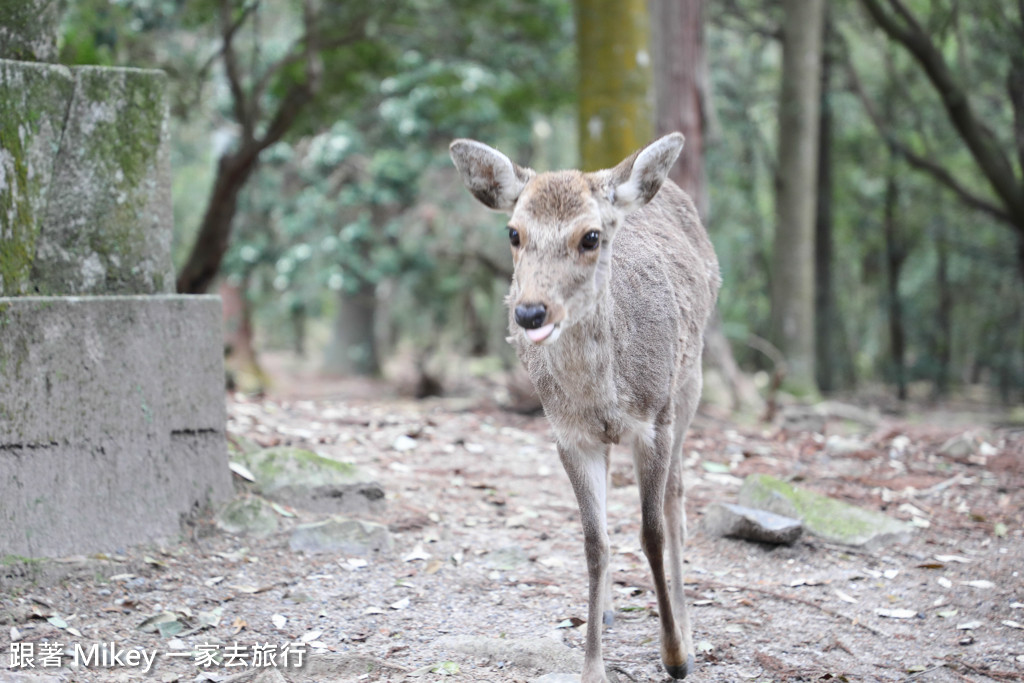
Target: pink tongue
{"type": "Point", "coordinates": [541, 333]}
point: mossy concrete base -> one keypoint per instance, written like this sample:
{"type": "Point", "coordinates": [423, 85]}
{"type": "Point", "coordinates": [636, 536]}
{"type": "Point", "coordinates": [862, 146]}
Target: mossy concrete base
{"type": "Point", "coordinates": [309, 481]}
{"type": "Point", "coordinates": [84, 181]}
{"type": "Point", "coordinates": [29, 28]}
{"type": "Point", "coordinates": [824, 517]}
{"type": "Point", "coordinates": [34, 103]}
{"type": "Point", "coordinates": [112, 420]}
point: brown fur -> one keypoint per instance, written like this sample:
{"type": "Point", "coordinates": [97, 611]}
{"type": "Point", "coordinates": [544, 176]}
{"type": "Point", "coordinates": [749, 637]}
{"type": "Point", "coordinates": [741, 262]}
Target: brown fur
{"type": "Point", "coordinates": [623, 362]}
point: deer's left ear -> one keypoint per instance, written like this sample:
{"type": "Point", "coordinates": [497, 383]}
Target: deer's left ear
{"type": "Point", "coordinates": [635, 181]}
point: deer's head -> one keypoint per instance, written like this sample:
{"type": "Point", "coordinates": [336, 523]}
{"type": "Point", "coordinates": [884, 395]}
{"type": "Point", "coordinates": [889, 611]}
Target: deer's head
{"type": "Point", "coordinates": [562, 225]}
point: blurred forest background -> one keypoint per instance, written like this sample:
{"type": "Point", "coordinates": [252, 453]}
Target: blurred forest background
{"type": "Point", "coordinates": [859, 164]}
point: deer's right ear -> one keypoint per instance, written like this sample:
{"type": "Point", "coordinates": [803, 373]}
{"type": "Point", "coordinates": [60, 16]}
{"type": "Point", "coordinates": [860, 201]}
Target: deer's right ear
{"type": "Point", "coordinates": [490, 175]}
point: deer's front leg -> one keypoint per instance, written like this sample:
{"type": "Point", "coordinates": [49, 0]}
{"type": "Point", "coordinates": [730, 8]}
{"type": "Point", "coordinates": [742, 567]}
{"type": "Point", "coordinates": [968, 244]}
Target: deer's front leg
{"type": "Point", "coordinates": [587, 468]}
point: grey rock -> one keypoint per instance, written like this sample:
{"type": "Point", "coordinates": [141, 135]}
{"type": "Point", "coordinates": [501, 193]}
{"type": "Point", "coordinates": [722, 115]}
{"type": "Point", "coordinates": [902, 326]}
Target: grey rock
{"type": "Point", "coordinates": [801, 418]}
{"type": "Point", "coordinates": [534, 655]}
{"type": "Point", "coordinates": [248, 516]}
{"type": "Point", "coordinates": [960, 447]}
{"type": "Point", "coordinates": [309, 481]}
{"type": "Point", "coordinates": [338, 535]}
{"type": "Point", "coordinates": [111, 420]}
{"type": "Point", "coordinates": [725, 519]}
{"type": "Point", "coordinates": [836, 445]}
{"type": "Point", "coordinates": [507, 558]}
{"type": "Point", "coordinates": [824, 517]}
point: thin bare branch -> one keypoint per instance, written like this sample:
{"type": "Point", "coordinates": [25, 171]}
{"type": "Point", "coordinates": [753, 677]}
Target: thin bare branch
{"type": "Point", "coordinates": [932, 168]}
{"type": "Point", "coordinates": [985, 149]}
{"type": "Point", "coordinates": [300, 50]}
{"type": "Point", "coordinates": [239, 102]}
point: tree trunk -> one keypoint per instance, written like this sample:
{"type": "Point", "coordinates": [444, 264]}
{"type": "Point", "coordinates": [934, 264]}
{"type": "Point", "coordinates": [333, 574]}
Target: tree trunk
{"type": "Point", "coordinates": [214, 237]}
{"type": "Point", "coordinates": [792, 296]}
{"type": "Point", "coordinates": [241, 363]}
{"type": "Point", "coordinates": [943, 315]}
{"type": "Point", "coordinates": [895, 255]}
{"type": "Point", "coordinates": [353, 347]}
{"type": "Point", "coordinates": [825, 319]}
{"type": "Point", "coordinates": [680, 88]}
{"type": "Point", "coordinates": [613, 37]}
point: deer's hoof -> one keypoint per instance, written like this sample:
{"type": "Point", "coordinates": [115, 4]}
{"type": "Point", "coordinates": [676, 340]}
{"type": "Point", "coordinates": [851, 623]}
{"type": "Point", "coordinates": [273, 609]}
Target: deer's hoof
{"type": "Point", "coordinates": [681, 671]}
{"type": "Point", "coordinates": [609, 618]}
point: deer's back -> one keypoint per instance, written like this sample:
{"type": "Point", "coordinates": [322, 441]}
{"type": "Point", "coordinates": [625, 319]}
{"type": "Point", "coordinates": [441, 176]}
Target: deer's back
{"type": "Point", "coordinates": [664, 283]}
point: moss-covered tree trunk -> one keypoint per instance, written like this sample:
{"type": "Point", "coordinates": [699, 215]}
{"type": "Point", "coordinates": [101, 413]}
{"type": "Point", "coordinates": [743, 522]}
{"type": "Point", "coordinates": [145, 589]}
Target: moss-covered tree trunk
{"type": "Point", "coordinates": [792, 295]}
{"type": "Point", "coordinates": [615, 108]}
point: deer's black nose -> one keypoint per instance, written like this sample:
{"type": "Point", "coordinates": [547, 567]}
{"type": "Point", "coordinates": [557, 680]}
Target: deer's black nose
{"type": "Point", "coordinates": [531, 316]}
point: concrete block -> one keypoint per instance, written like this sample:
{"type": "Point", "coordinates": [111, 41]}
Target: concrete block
{"type": "Point", "coordinates": [34, 102]}
{"type": "Point", "coordinates": [29, 28]}
{"type": "Point", "coordinates": [84, 181]}
{"type": "Point", "coordinates": [111, 420]}
{"type": "Point", "coordinates": [108, 222]}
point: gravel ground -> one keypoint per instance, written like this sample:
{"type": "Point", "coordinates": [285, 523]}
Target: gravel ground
{"type": "Point", "coordinates": [486, 579]}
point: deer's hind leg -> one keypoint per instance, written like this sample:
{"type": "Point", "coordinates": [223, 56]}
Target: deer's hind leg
{"type": "Point", "coordinates": [675, 510]}
{"type": "Point", "coordinates": [652, 456]}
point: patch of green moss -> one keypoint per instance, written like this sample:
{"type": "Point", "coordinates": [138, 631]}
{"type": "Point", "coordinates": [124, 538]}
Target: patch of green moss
{"type": "Point", "coordinates": [276, 468]}
{"type": "Point", "coordinates": [128, 143]}
{"type": "Point", "coordinates": [825, 517]}
{"type": "Point", "coordinates": [12, 560]}
{"type": "Point", "coordinates": [32, 97]}
{"type": "Point", "coordinates": [28, 29]}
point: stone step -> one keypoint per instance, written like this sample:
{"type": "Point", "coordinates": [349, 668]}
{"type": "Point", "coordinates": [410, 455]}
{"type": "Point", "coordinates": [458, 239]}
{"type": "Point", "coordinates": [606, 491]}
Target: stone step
{"type": "Point", "coordinates": [112, 420]}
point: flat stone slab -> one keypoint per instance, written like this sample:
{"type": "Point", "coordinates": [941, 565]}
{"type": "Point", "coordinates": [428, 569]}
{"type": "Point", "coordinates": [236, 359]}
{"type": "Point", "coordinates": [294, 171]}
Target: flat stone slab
{"type": "Point", "coordinates": [826, 518]}
{"type": "Point", "coordinates": [111, 420]}
{"type": "Point", "coordinates": [309, 481]}
{"type": "Point", "coordinates": [726, 519]}
{"type": "Point", "coordinates": [338, 535]}
{"type": "Point", "coordinates": [85, 200]}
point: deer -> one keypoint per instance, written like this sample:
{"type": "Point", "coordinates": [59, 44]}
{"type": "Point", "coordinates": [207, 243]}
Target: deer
{"type": "Point", "coordinates": [614, 280]}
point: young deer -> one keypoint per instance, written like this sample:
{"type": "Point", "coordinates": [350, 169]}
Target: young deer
{"type": "Point", "coordinates": [614, 281]}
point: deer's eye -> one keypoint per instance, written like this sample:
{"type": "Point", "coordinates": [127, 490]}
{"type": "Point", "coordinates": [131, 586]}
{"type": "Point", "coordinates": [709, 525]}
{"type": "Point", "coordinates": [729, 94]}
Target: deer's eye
{"type": "Point", "coordinates": [590, 241]}
{"type": "Point", "coordinates": [513, 237]}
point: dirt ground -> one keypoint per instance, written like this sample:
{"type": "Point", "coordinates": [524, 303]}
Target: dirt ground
{"type": "Point", "coordinates": [487, 545]}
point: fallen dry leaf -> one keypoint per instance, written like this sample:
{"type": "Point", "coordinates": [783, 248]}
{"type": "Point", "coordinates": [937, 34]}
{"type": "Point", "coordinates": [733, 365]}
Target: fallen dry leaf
{"type": "Point", "coordinates": [896, 613]}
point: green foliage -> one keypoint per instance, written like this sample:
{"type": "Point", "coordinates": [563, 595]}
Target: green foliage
{"type": "Point", "coordinates": [986, 303]}
{"type": "Point", "coordinates": [359, 195]}
{"type": "Point", "coordinates": [355, 207]}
